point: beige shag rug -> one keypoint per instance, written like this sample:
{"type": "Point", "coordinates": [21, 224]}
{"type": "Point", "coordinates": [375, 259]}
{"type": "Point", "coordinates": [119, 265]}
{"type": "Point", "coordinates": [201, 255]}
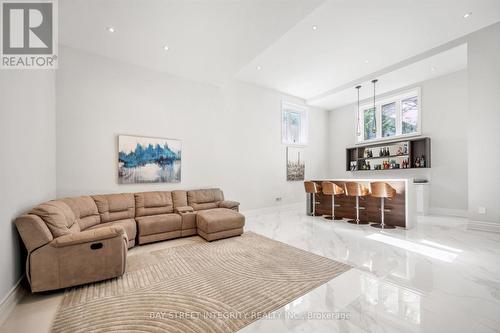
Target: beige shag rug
{"type": "Point", "coordinates": [197, 286]}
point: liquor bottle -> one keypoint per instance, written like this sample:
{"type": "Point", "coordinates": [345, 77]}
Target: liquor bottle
{"type": "Point", "coordinates": [422, 162]}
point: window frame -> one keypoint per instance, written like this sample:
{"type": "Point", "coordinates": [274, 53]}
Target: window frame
{"type": "Point", "coordinates": [302, 110]}
{"type": "Point", "coordinates": [395, 98]}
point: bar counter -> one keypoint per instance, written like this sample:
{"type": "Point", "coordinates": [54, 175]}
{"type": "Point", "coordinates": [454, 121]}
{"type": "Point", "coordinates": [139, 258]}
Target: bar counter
{"type": "Point", "coordinates": [400, 211]}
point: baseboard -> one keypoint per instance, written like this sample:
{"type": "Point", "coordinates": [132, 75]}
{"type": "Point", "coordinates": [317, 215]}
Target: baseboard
{"type": "Point", "coordinates": [483, 226]}
{"type": "Point", "coordinates": [11, 299]}
{"type": "Point", "coordinates": [274, 209]}
{"type": "Point", "coordinates": [448, 212]}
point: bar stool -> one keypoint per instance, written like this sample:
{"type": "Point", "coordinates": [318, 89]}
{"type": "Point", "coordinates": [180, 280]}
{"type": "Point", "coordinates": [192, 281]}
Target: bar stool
{"type": "Point", "coordinates": [330, 188]}
{"type": "Point", "coordinates": [312, 188]}
{"type": "Point", "coordinates": [382, 190]}
{"type": "Point", "coordinates": [353, 189]}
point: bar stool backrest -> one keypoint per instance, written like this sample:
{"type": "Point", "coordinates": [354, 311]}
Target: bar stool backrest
{"type": "Point", "coordinates": [382, 190]}
{"type": "Point", "coordinates": [330, 188]}
{"type": "Point", "coordinates": [311, 187]}
{"type": "Point", "coordinates": [354, 189]}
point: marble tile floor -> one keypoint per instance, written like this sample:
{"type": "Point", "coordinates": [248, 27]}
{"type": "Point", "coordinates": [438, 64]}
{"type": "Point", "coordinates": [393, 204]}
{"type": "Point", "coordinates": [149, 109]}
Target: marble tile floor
{"type": "Point", "coordinates": [436, 277]}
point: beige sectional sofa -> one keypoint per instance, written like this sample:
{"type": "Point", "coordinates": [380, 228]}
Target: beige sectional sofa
{"type": "Point", "coordinates": [78, 240]}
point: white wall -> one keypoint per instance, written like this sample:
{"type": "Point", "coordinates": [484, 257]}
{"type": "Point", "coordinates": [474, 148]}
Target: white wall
{"type": "Point", "coordinates": [230, 135]}
{"type": "Point", "coordinates": [27, 158]}
{"type": "Point", "coordinates": [483, 122]}
{"type": "Point", "coordinates": [444, 112]}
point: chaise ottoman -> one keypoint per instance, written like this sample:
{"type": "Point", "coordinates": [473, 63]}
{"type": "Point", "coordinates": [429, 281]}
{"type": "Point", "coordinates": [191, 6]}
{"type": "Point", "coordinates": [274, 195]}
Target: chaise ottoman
{"type": "Point", "coordinates": [219, 223]}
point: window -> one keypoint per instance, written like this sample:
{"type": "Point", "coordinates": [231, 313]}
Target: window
{"type": "Point", "coordinates": [389, 119]}
{"type": "Point", "coordinates": [409, 115]}
{"type": "Point", "coordinates": [293, 124]}
{"type": "Point", "coordinates": [369, 123]}
{"type": "Point", "coordinates": [392, 117]}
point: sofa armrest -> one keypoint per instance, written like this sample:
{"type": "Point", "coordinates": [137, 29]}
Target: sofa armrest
{"type": "Point", "coordinates": [184, 209]}
{"type": "Point", "coordinates": [89, 236]}
{"type": "Point", "coordinates": [33, 230]}
{"type": "Point", "coordinates": [228, 204]}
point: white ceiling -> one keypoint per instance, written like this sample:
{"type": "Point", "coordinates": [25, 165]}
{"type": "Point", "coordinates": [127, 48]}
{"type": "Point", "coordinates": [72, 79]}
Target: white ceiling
{"type": "Point", "coordinates": [208, 40]}
{"type": "Point", "coordinates": [216, 40]}
{"type": "Point", "coordinates": [446, 62]}
{"type": "Point", "coordinates": [307, 62]}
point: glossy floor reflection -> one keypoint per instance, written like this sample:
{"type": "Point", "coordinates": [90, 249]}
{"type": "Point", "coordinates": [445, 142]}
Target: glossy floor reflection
{"type": "Point", "coordinates": [437, 277]}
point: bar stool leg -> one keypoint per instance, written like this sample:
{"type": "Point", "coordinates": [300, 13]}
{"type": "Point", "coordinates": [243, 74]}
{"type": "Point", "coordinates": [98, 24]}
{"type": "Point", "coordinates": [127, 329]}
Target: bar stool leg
{"type": "Point", "coordinates": [333, 209]}
{"type": "Point", "coordinates": [314, 204]}
{"type": "Point", "coordinates": [382, 217]}
{"type": "Point", "coordinates": [357, 221]}
{"type": "Point", "coordinates": [330, 217]}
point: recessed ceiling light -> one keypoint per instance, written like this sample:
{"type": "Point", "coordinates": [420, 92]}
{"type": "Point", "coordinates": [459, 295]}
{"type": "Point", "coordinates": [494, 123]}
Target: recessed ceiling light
{"type": "Point", "coordinates": [315, 27]}
{"type": "Point", "coordinates": [366, 61]}
{"type": "Point", "coordinates": [433, 69]}
{"type": "Point", "coordinates": [165, 47]}
{"type": "Point", "coordinates": [259, 68]}
{"type": "Point", "coordinates": [110, 29]}
{"type": "Point", "coordinates": [467, 15]}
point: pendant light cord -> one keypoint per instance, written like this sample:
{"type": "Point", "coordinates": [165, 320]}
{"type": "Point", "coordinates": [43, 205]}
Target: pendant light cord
{"type": "Point", "coordinates": [374, 129]}
{"type": "Point", "coordinates": [358, 129]}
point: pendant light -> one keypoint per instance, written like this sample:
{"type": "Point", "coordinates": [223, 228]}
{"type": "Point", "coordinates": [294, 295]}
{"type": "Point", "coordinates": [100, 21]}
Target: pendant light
{"type": "Point", "coordinates": [358, 128]}
{"type": "Point", "coordinates": [374, 129]}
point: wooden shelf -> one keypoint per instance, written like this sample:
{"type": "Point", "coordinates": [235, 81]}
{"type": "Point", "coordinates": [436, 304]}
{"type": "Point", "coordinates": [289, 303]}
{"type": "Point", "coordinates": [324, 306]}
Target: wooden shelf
{"type": "Point", "coordinates": [416, 148]}
{"type": "Point", "coordinates": [382, 157]}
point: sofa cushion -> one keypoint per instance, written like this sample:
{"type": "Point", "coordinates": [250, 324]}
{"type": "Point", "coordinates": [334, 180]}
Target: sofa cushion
{"type": "Point", "coordinates": [129, 225]}
{"type": "Point", "coordinates": [219, 219]}
{"type": "Point", "coordinates": [114, 207]}
{"type": "Point", "coordinates": [155, 224]}
{"type": "Point", "coordinates": [58, 216]}
{"type": "Point", "coordinates": [179, 198]}
{"type": "Point", "coordinates": [204, 199]}
{"type": "Point", "coordinates": [153, 203]}
{"type": "Point", "coordinates": [85, 211]}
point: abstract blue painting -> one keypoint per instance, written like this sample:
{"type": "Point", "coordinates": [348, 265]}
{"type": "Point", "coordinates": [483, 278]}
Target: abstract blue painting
{"type": "Point", "coordinates": [148, 160]}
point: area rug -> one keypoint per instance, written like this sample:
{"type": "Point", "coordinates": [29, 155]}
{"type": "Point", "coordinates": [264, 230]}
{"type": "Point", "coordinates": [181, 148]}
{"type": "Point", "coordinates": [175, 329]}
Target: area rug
{"type": "Point", "coordinates": [197, 286]}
